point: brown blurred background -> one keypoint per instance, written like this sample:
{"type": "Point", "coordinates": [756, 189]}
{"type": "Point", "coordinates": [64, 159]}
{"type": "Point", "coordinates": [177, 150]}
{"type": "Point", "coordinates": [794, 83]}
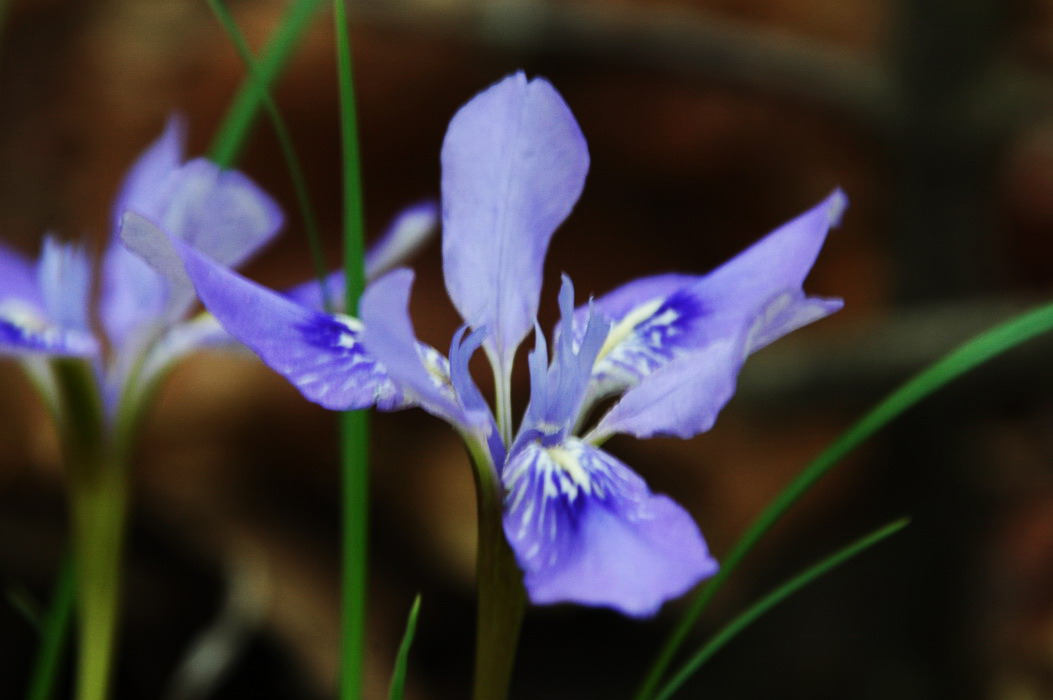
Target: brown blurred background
{"type": "Point", "coordinates": [709, 123]}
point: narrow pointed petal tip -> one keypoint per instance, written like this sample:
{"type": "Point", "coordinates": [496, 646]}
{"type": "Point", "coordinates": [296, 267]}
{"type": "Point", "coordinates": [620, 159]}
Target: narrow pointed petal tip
{"type": "Point", "coordinates": [586, 529]}
{"type": "Point", "coordinates": [513, 166]}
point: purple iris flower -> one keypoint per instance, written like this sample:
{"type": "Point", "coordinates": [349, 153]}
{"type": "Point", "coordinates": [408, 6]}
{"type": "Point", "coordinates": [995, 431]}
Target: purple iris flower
{"type": "Point", "coordinates": [45, 308]}
{"type": "Point", "coordinates": [665, 351]}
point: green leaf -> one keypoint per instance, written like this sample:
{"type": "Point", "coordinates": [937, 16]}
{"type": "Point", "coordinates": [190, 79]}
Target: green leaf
{"type": "Point", "coordinates": [292, 161]}
{"type": "Point", "coordinates": [398, 674]}
{"type": "Point", "coordinates": [966, 357]}
{"type": "Point", "coordinates": [54, 631]}
{"type": "Point", "coordinates": [781, 593]}
{"type": "Point", "coordinates": [229, 139]}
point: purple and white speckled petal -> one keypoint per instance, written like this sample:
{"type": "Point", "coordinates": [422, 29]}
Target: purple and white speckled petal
{"type": "Point", "coordinates": [586, 529]}
{"type": "Point", "coordinates": [321, 354]}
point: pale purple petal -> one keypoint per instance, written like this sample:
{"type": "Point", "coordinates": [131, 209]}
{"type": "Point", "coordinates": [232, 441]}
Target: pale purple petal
{"type": "Point", "coordinates": [586, 529]}
{"type": "Point", "coordinates": [22, 333]}
{"type": "Point", "coordinates": [421, 371]}
{"type": "Point", "coordinates": [44, 310]}
{"type": "Point", "coordinates": [147, 178]}
{"type": "Point", "coordinates": [152, 245]}
{"type": "Point", "coordinates": [682, 398]}
{"type": "Point", "coordinates": [557, 391]}
{"type": "Point", "coordinates": [321, 354]}
{"type": "Point", "coordinates": [758, 292]}
{"type": "Point", "coordinates": [513, 166]}
{"type": "Point", "coordinates": [222, 213]}
{"type": "Point", "coordinates": [64, 272]}
{"type": "Point", "coordinates": [132, 293]}
{"type": "Point", "coordinates": [411, 230]}
{"type": "Point", "coordinates": [18, 278]}
{"type": "Point", "coordinates": [309, 293]}
{"type": "Point", "coordinates": [405, 236]}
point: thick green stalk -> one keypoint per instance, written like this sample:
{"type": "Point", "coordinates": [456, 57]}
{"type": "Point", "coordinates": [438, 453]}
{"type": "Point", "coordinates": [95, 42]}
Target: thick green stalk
{"type": "Point", "coordinates": [500, 597]}
{"type": "Point", "coordinates": [354, 424]}
{"type": "Point", "coordinates": [96, 474]}
{"type": "Point", "coordinates": [966, 357]}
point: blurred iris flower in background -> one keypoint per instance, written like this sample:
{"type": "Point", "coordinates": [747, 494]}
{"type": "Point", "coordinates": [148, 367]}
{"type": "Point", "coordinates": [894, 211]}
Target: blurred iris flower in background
{"type": "Point", "coordinates": [666, 349]}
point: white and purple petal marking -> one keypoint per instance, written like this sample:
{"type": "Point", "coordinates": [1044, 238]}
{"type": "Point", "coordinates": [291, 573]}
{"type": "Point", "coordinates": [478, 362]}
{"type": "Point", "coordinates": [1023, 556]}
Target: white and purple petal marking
{"type": "Point", "coordinates": [321, 354]}
{"type": "Point", "coordinates": [24, 330]}
{"type": "Point", "coordinates": [586, 529]}
{"type": "Point", "coordinates": [648, 337]}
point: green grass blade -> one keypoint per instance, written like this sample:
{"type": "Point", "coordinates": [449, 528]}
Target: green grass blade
{"type": "Point", "coordinates": [23, 602]}
{"type": "Point", "coordinates": [229, 139]}
{"type": "Point", "coordinates": [54, 632]}
{"type": "Point", "coordinates": [292, 161]}
{"type": "Point", "coordinates": [966, 357]}
{"type": "Point", "coordinates": [747, 617]}
{"type": "Point", "coordinates": [398, 674]}
{"type": "Point", "coordinates": [354, 424]}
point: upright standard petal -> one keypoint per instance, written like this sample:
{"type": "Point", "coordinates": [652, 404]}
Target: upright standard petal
{"type": "Point", "coordinates": [321, 354]}
{"type": "Point", "coordinates": [147, 177]}
{"type": "Point", "coordinates": [513, 166]}
{"type": "Point", "coordinates": [586, 529]}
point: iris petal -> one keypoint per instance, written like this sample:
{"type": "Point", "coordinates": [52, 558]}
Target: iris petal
{"type": "Point", "coordinates": [419, 369]}
{"type": "Point", "coordinates": [321, 354]}
{"type": "Point", "coordinates": [586, 529]}
{"type": "Point", "coordinates": [513, 166]}
{"type": "Point", "coordinates": [18, 278]}
{"type": "Point", "coordinates": [657, 320]}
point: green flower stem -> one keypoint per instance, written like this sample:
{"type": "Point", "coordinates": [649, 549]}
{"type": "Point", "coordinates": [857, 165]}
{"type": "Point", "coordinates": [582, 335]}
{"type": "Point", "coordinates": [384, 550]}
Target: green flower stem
{"type": "Point", "coordinates": [354, 424]}
{"type": "Point", "coordinates": [96, 466]}
{"type": "Point", "coordinates": [501, 598]}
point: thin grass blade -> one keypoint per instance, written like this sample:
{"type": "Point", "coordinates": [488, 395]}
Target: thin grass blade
{"type": "Point", "coordinates": [354, 427]}
{"type": "Point", "coordinates": [398, 674]}
{"type": "Point", "coordinates": [750, 615]}
{"type": "Point", "coordinates": [966, 357]}
{"type": "Point", "coordinates": [229, 139]}
{"type": "Point", "coordinates": [292, 161]}
{"type": "Point", "coordinates": [54, 632]}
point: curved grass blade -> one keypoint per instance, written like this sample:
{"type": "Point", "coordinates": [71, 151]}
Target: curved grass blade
{"type": "Point", "coordinates": [398, 674]}
{"type": "Point", "coordinates": [54, 631]}
{"type": "Point", "coordinates": [966, 357]}
{"type": "Point", "coordinates": [353, 424]}
{"type": "Point", "coordinates": [747, 617]}
{"type": "Point", "coordinates": [229, 139]}
{"type": "Point", "coordinates": [292, 161]}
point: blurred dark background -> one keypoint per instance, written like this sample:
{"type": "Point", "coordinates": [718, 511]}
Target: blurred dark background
{"type": "Point", "coordinates": [709, 122]}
